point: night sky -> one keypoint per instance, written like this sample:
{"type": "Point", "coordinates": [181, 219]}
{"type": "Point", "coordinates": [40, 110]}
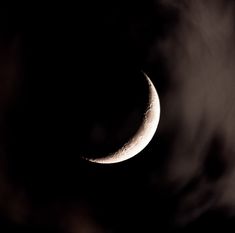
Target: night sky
{"type": "Point", "coordinates": [71, 84]}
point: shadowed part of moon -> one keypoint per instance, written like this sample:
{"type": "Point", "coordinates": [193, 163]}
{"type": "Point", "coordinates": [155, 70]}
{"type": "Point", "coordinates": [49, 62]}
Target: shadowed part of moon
{"type": "Point", "coordinates": [143, 135]}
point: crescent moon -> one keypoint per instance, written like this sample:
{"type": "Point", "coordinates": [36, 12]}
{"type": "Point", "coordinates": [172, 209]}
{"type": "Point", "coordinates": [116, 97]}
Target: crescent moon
{"type": "Point", "coordinates": [143, 135]}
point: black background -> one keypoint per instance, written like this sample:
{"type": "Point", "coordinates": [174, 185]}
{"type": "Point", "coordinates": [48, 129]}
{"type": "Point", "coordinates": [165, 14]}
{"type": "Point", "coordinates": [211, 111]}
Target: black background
{"type": "Point", "coordinates": [80, 86]}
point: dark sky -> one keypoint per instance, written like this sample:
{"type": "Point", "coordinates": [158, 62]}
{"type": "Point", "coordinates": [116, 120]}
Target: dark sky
{"type": "Point", "coordinates": [72, 84]}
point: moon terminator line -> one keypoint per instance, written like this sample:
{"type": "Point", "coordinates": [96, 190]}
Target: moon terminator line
{"type": "Point", "coordinates": [143, 135]}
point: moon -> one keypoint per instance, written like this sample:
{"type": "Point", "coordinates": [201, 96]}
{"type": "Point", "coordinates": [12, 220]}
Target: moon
{"type": "Point", "coordinates": [143, 135]}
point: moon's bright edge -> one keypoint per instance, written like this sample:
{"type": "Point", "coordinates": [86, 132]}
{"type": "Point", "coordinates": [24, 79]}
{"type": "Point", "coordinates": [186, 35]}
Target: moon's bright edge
{"type": "Point", "coordinates": [143, 135]}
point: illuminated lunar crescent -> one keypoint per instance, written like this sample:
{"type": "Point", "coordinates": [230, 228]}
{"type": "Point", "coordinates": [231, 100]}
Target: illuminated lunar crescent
{"type": "Point", "coordinates": [143, 135]}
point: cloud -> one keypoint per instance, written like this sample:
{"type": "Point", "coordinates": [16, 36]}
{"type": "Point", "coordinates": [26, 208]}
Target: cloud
{"type": "Point", "coordinates": [198, 104]}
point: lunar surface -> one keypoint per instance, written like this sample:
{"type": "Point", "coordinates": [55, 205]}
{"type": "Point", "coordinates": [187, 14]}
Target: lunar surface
{"type": "Point", "coordinates": [143, 135]}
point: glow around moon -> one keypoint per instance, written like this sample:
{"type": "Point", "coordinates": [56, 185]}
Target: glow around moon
{"type": "Point", "coordinates": [143, 135]}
